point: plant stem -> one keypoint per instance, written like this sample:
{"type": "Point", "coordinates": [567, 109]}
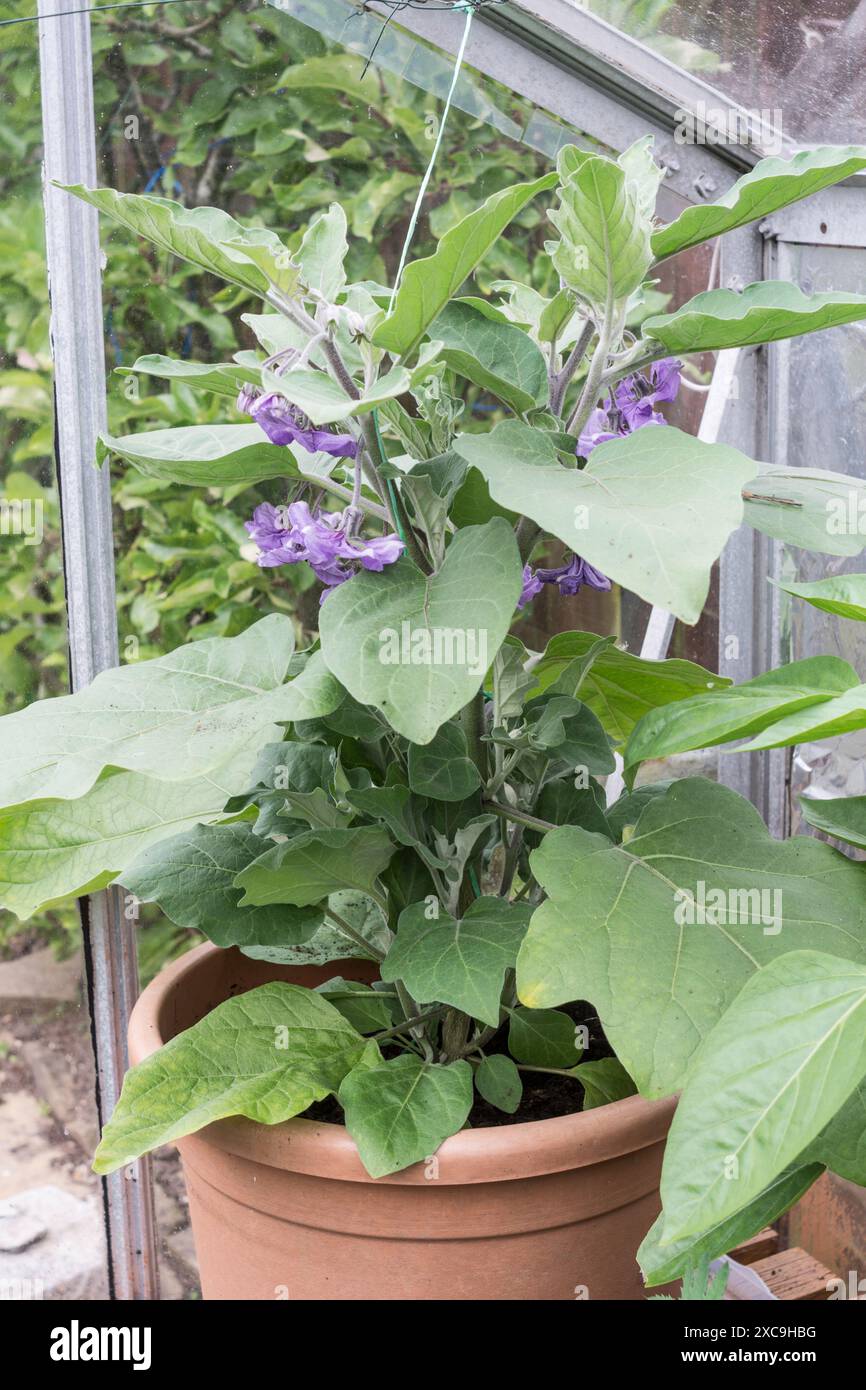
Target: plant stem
{"type": "Point", "coordinates": [519, 817]}
{"type": "Point", "coordinates": [409, 1023]}
{"type": "Point", "coordinates": [393, 501]}
{"type": "Point", "coordinates": [592, 385]}
{"type": "Point", "coordinates": [472, 720]}
{"type": "Point", "coordinates": [562, 380]}
{"type": "Point", "coordinates": [550, 1071]}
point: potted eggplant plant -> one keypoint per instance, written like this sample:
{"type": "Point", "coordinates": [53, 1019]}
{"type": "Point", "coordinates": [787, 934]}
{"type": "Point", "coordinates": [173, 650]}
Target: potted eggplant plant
{"type": "Point", "coordinates": [452, 989]}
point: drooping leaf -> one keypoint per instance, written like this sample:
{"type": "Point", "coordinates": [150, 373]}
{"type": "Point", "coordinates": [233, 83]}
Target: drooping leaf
{"type": "Point", "coordinates": [604, 248]}
{"type": "Point", "coordinates": [732, 712]}
{"type": "Point", "coordinates": [304, 870]}
{"type": "Point", "coordinates": [399, 1113]}
{"type": "Point", "coordinates": [773, 1072]}
{"type": "Point", "coordinates": [402, 812]}
{"type": "Point", "coordinates": [210, 455]}
{"type": "Point", "coordinates": [543, 1038]}
{"type": "Point", "coordinates": [427, 285]}
{"type": "Point", "coordinates": [761, 313]}
{"type": "Point", "coordinates": [842, 714]}
{"type": "Point", "coordinates": [844, 594]}
{"type": "Point", "coordinates": [660, 934]}
{"type": "Point", "coordinates": [652, 511]}
{"type": "Point", "coordinates": [662, 1263]}
{"type": "Point", "coordinates": [498, 1081]}
{"type": "Point", "coordinates": [843, 817]}
{"type": "Point", "coordinates": [267, 1054]}
{"type": "Point", "coordinates": [209, 238]}
{"type": "Point", "coordinates": [812, 508]}
{"type": "Point", "coordinates": [772, 184]}
{"type": "Point", "coordinates": [618, 687]}
{"type": "Point", "coordinates": [418, 647]}
{"type": "Point", "coordinates": [462, 963]}
{"type": "Point", "coordinates": [565, 729]}
{"type": "Point", "coordinates": [324, 401]}
{"type": "Point", "coordinates": [56, 849]}
{"type": "Point", "coordinates": [497, 357]}
{"type": "Point", "coordinates": [191, 876]}
{"type": "Point", "coordinates": [173, 718]}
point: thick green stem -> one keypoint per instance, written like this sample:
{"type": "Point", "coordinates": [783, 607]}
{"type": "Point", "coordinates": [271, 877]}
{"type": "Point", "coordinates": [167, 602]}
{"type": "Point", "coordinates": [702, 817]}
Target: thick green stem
{"type": "Point", "coordinates": [519, 817]}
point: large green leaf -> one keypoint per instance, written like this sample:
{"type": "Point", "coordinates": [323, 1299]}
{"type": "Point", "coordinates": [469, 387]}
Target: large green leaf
{"type": "Point", "coordinates": [223, 378]}
{"type": "Point", "coordinates": [251, 257]}
{"type": "Point", "coordinates": [50, 850]}
{"type": "Point", "coordinates": [401, 1111]}
{"type": "Point", "coordinates": [427, 285]}
{"type": "Point", "coordinates": [772, 184]}
{"type": "Point", "coordinates": [191, 876]}
{"type": "Point", "coordinates": [812, 508]}
{"type": "Point", "coordinates": [841, 715]}
{"type": "Point", "coordinates": [761, 313]}
{"type": "Point", "coordinates": [652, 511]}
{"type": "Point", "coordinates": [173, 718]}
{"type": "Point", "coordinates": [267, 1054]}
{"type": "Point", "coordinates": [660, 934]}
{"type": "Point", "coordinates": [719, 716]}
{"type": "Point", "coordinates": [773, 1072]}
{"type": "Point", "coordinates": [307, 868]}
{"type": "Point", "coordinates": [843, 594]}
{"type": "Point", "coordinates": [209, 455]}
{"type": "Point", "coordinates": [604, 248]}
{"type": "Point", "coordinates": [543, 1038]}
{"type": "Point", "coordinates": [497, 357]}
{"type": "Point", "coordinates": [619, 688]}
{"type": "Point", "coordinates": [843, 817]}
{"type": "Point", "coordinates": [662, 1263]}
{"type": "Point", "coordinates": [463, 962]}
{"type": "Point", "coordinates": [418, 646]}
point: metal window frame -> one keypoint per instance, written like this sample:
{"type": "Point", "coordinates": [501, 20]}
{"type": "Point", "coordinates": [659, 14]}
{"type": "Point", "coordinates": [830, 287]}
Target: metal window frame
{"type": "Point", "coordinates": [573, 65]}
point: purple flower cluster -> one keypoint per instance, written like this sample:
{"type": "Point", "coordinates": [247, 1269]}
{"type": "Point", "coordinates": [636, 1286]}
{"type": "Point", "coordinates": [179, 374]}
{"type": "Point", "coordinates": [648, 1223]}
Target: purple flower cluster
{"type": "Point", "coordinates": [287, 535]}
{"type": "Point", "coordinates": [632, 406]}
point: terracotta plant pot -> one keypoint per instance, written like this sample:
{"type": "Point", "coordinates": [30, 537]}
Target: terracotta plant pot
{"type": "Point", "coordinates": [552, 1209]}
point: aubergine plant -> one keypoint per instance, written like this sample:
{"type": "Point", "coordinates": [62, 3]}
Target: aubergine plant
{"type": "Point", "coordinates": [418, 789]}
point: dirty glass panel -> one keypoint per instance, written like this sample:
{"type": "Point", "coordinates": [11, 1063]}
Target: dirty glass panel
{"type": "Point", "coordinates": [828, 371]}
{"type": "Point", "coordinates": [779, 57]}
{"type": "Point", "coordinates": [51, 1226]}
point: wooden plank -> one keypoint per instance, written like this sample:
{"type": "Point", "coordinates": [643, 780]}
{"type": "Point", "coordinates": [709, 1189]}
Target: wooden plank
{"type": "Point", "coordinates": [765, 1243]}
{"type": "Point", "coordinates": [795, 1276]}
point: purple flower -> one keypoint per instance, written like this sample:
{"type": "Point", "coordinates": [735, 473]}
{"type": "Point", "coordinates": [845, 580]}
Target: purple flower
{"type": "Point", "coordinates": [632, 406]}
{"type": "Point", "coordinates": [287, 535]}
{"type": "Point", "coordinates": [284, 424]}
{"type": "Point", "coordinates": [375, 554]}
{"type": "Point", "coordinates": [569, 579]}
{"type": "Point", "coordinates": [532, 586]}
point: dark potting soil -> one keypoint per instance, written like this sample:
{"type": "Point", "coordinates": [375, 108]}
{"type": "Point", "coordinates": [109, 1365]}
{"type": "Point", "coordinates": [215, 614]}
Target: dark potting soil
{"type": "Point", "coordinates": [544, 1096]}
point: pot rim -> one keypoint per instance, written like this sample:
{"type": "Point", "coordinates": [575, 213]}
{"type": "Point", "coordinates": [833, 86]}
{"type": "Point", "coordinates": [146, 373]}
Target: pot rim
{"type": "Point", "coordinates": [497, 1153]}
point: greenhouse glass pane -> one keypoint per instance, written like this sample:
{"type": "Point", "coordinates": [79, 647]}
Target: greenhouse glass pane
{"type": "Point", "coordinates": [797, 62]}
{"type": "Point", "coordinates": [48, 1126]}
{"type": "Point", "coordinates": [828, 370]}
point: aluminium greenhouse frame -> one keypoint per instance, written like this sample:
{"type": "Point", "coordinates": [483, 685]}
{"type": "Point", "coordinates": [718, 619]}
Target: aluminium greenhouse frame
{"type": "Point", "coordinates": [553, 53]}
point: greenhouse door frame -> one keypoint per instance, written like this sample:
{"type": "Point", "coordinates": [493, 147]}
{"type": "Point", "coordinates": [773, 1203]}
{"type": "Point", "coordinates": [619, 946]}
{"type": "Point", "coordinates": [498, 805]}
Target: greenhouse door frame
{"type": "Point", "coordinates": [577, 68]}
